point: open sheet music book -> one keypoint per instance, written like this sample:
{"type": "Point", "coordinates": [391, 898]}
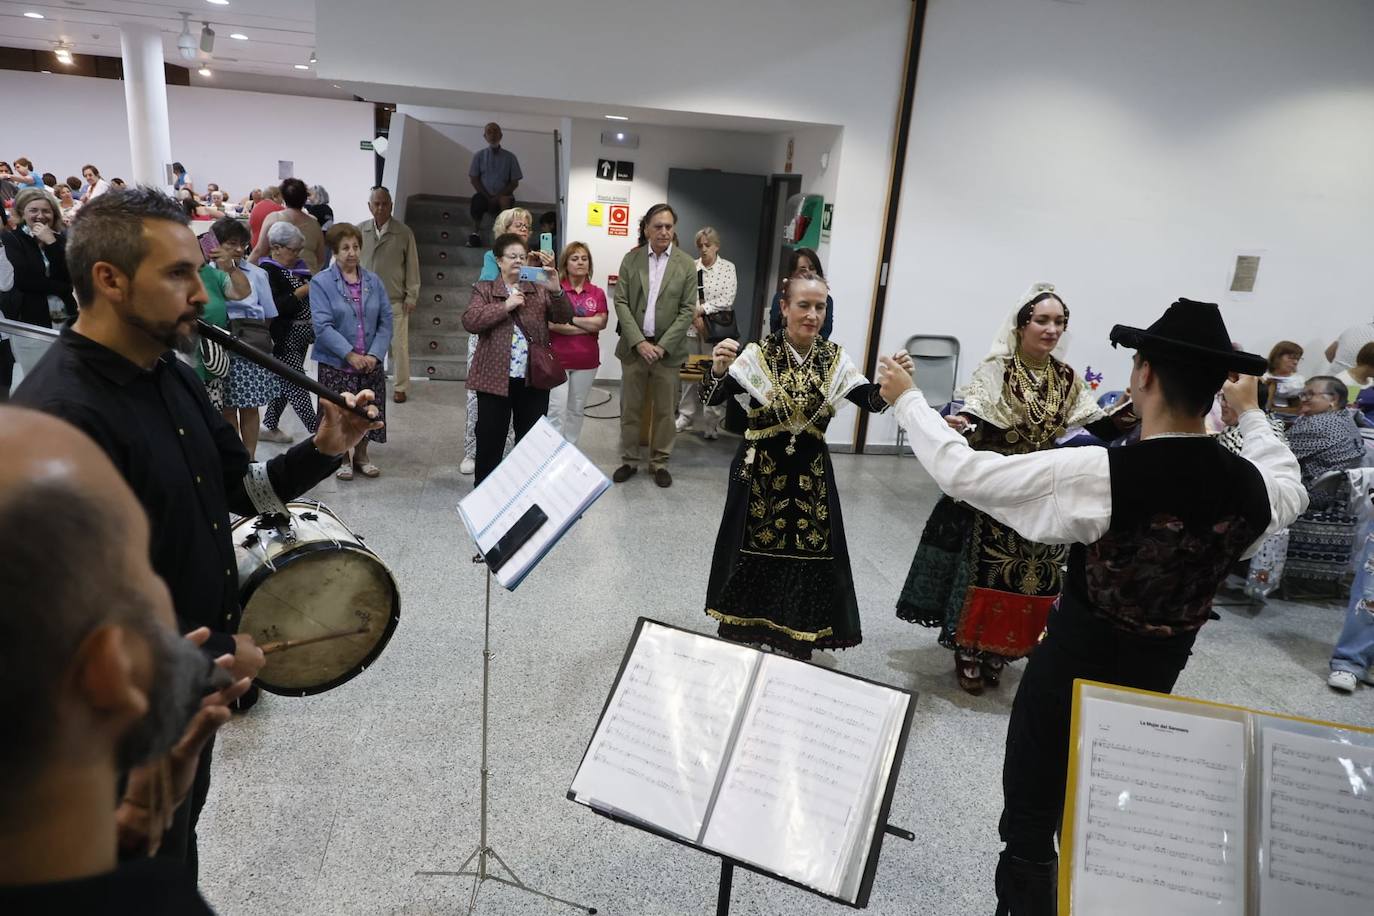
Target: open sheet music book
{"type": "Point", "coordinates": [543, 469]}
{"type": "Point", "coordinates": [1185, 807]}
{"type": "Point", "coordinates": [780, 765]}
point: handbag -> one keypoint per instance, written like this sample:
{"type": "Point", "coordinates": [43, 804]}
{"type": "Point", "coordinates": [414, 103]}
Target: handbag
{"type": "Point", "coordinates": [544, 371]}
{"type": "Point", "coordinates": [719, 325]}
{"type": "Point", "coordinates": [214, 358]}
{"type": "Point", "coordinates": [256, 332]}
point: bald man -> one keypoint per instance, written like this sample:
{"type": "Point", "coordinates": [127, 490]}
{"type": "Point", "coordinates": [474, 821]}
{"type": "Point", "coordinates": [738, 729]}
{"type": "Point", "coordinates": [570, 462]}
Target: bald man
{"type": "Point", "coordinates": [94, 680]}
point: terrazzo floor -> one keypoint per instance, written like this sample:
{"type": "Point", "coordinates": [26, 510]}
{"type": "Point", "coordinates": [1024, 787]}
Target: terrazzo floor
{"type": "Point", "coordinates": [330, 804]}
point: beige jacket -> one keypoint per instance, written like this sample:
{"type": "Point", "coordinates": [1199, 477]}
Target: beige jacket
{"type": "Point", "coordinates": [393, 257]}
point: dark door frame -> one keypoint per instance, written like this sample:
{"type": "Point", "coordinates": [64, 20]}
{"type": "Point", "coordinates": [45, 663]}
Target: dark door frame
{"type": "Point", "coordinates": [894, 195]}
{"type": "Point", "coordinates": [764, 284]}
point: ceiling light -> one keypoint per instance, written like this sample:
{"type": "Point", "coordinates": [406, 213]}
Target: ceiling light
{"type": "Point", "coordinates": [617, 118]}
{"type": "Point", "coordinates": [207, 38]}
{"type": "Point", "coordinates": [204, 71]}
{"type": "Point", "coordinates": [63, 53]}
{"type": "Point", "coordinates": [218, 2]}
{"type": "Point", "coordinates": [186, 42]}
{"type": "Point", "coordinates": [238, 36]}
{"type": "Point", "coordinates": [45, 71]}
{"type": "Point", "coordinates": [33, 15]}
{"type": "Point", "coordinates": [312, 56]}
{"type": "Point", "coordinates": [302, 66]}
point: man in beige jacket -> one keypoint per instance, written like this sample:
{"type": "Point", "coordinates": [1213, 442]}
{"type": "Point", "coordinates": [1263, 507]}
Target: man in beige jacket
{"type": "Point", "coordinates": [655, 300]}
{"type": "Point", "coordinates": [389, 251]}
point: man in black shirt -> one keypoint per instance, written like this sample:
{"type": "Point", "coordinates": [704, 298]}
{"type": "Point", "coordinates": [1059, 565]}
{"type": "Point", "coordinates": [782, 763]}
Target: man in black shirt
{"type": "Point", "coordinates": [134, 264]}
{"type": "Point", "coordinates": [93, 680]}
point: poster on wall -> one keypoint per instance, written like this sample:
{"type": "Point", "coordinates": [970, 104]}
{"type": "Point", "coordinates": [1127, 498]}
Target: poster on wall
{"type": "Point", "coordinates": [619, 220]}
{"type": "Point", "coordinates": [286, 168]}
{"type": "Point", "coordinates": [611, 193]}
{"type": "Point", "coordinates": [827, 215]}
{"type": "Point", "coordinates": [1244, 274]}
{"type": "Point", "coordinates": [596, 214]}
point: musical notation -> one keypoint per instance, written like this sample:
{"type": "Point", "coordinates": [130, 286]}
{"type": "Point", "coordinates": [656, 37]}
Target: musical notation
{"type": "Point", "coordinates": [665, 733]}
{"type": "Point", "coordinates": [1160, 813]}
{"type": "Point", "coordinates": [800, 783]}
{"type": "Point", "coordinates": [1317, 833]}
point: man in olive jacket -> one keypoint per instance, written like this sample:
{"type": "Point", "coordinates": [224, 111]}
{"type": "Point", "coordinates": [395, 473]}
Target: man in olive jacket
{"type": "Point", "coordinates": [655, 299]}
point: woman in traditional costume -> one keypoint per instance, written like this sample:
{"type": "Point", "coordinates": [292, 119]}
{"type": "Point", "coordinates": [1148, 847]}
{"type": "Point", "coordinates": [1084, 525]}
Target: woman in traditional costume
{"type": "Point", "coordinates": [988, 589]}
{"type": "Point", "coordinates": [780, 575]}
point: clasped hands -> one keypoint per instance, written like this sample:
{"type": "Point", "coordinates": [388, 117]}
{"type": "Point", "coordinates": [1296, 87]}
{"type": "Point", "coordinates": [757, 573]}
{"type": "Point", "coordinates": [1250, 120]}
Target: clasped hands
{"type": "Point", "coordinates": [895, 375]}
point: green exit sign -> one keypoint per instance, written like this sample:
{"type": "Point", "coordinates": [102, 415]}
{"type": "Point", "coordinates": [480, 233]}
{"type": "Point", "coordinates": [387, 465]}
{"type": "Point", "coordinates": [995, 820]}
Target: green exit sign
{"type": "Point", "coordinates": [365, 144]}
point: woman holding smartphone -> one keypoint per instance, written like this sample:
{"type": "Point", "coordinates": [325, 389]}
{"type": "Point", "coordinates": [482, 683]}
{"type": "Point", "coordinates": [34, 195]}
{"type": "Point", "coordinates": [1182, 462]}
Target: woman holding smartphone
{"type": "Point", "coordinates": [511, 318]}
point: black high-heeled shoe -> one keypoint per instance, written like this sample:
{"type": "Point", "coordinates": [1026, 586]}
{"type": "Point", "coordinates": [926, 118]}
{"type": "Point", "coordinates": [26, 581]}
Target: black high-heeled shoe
{"type": "Point", "coordinates": [1026, 888]}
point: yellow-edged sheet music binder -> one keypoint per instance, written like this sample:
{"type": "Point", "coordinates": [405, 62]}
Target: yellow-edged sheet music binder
{"type": "Point", "coordinates": [1181, 806]}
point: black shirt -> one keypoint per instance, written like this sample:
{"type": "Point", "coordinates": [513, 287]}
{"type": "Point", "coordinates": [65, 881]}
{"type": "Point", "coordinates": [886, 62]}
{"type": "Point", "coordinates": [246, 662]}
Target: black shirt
{"type": "Point", "coordinates": [180, 457]}
{"type": "Point", "coordinates": [142, 887]}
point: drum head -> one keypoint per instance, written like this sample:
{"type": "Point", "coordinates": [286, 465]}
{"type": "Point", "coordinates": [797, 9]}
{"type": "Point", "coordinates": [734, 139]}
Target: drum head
{"type": "Point", "coordinates": [321, 590]}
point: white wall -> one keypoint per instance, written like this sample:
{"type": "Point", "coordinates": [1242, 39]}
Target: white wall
{"type": "Point", "coordinates": [402, 164]}
{"type": "Point", "coordinates": [231, 138]}
{"type": "Point", "coordinates": [1125, 151]}
{"type": "Point", "coordinates": [660, 149]}
{"type": "Point", "coordinates": [804, 61]}
{"type": "Point", "coordinates": [447, 151]}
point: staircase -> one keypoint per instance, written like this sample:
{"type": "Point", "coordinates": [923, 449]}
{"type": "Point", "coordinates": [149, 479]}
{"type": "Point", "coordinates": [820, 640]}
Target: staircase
{"type": "Point", "coordinates": [448, 268]}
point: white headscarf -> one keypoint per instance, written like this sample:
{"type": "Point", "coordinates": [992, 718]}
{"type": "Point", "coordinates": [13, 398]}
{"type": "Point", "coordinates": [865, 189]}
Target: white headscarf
{"type": "Point", "coordinates": [1005, 343]}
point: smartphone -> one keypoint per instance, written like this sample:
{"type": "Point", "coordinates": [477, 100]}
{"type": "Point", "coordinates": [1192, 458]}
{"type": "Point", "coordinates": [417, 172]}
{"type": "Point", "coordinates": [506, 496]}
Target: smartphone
{"type": "Point", "coordinates": [532, 274]}
{"type": "Point", "coordinates": [546, 242]}
{"type": "Point", "coordinates": [208, 245]}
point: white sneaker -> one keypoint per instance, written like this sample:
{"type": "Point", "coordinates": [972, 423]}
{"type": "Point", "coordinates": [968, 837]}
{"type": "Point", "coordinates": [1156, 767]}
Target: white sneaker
{"type": "Point", "coordinates": [467, 467]}
{"type": "Point", "coordinates": [275, 435]}
{"type": "Point", "coordinates": [1342, 680]}
{"type": "Point", "coordinates": [683, 424]}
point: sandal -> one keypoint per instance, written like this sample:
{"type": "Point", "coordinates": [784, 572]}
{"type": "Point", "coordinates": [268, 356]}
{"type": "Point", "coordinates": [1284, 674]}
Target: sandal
{"type": "Point", "coordinates": [367, 469]}
{"type": "Point", "coordinates": [992, 669]}
{"type": "Point", "coordinates": [969, 671]}
{"type": "Point", "coordinates": [344, 473]}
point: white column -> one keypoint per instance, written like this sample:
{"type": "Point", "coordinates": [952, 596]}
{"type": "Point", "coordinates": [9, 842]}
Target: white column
{"type": "Point", "coordinates": [145, 99]}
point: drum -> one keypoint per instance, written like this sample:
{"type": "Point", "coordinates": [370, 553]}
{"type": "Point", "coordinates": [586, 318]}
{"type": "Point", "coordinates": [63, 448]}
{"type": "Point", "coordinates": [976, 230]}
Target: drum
{"type": "Point", "coordinates": [314, 597]}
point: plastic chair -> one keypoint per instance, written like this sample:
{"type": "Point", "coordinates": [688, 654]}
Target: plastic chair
{"type": "Point", "coordinates": [937, 369]}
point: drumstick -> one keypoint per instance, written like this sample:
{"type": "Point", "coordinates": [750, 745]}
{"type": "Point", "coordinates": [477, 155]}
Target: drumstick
{"type": "Point", "coordinates": [277, 367]}
{"type": "Point", "coordinates": [269, 648]}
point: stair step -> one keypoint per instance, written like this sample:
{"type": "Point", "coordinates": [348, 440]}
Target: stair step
{"type": "Point", "coordinates": [451, 254]}
{"type": "Point", "coordinates": [444, 298]}
{"type": "Point", "coordinates": [438, 322]}
{"type": "Point", "coordinates": [434, 346]}
{"type": "Point", "coordinates": [440, 368]}
{"type": "Point", "coordinates": [449, 276]}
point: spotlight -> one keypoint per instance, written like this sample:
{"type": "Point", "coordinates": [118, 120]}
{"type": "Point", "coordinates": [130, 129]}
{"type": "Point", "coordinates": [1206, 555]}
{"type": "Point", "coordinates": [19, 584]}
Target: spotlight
{"type": "Point", "coordinates": [301, 66]}
{"type": "Point", "coordinates": [186, 42]}
{"type": "Point", "coordinates": [312, 56]}
{"type": "Point", "coordinates": [207, 38]}
{"type": "Point", "coordinates": [204, 71]}
{"type": "Point", "coordinates": [63, 55]}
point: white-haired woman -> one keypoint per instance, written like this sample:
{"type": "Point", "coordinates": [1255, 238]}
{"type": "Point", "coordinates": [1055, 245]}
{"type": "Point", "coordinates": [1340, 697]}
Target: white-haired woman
{"type": "Point", "coordinates": [716, 288]}
{"type": "Point", "coordinates": [292, 331]}
{"type": "Point", "coordinates": [519, 221]}
{"type": "Point", "coordinates": [318, 206]}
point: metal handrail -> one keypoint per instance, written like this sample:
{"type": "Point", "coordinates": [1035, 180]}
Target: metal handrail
{"type": "Point", "coordinates": [31, 331]}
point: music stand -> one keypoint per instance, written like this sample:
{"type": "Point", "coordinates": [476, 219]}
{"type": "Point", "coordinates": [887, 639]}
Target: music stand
{"type": "Point", "coordinates": [484, 849]}
{"type": "Point", "coordinates": [513, 533]}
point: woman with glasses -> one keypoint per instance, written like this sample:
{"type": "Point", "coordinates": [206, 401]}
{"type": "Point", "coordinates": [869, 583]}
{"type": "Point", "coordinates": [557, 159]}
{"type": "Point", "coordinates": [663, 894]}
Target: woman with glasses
{"type": "Point", "coordinates": [510, 318]}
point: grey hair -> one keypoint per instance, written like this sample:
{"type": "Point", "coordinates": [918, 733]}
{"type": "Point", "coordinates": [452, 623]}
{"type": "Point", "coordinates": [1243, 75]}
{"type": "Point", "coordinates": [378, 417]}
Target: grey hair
{"type": "Point", "coordinates": [318, 192]}
{"type": "Point", "coordinates": [1334, 387]}
{"type": "Point", "coordinates": [284, 234]}
{"type": "Point", "coordinates": [708, 233]}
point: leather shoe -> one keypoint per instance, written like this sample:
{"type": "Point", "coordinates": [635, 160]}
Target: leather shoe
{"type": "Point", "coordinates": [663, 478]}
{"type": "Point", "coordinates": [399, 397]}
{"type": "Point", "coordinates": [624, 473]}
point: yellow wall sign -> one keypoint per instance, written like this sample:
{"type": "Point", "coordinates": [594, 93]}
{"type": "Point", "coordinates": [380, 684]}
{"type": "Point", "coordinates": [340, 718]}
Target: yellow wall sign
{"type": "Point", "coordinates": [596, 214]}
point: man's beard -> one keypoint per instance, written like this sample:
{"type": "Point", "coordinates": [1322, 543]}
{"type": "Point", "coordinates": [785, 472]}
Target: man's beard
{"type": "Point", "coordinates": [181, 674]}
{"type": "Point", "coordinates": [167, 333]}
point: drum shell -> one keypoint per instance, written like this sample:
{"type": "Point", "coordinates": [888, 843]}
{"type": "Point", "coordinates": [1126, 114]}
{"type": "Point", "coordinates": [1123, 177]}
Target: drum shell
{"type": "Point", "coordinates": [323, 580]}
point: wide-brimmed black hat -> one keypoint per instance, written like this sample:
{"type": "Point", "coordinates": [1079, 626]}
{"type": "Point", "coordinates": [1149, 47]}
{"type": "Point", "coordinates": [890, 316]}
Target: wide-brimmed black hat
{"type": "Point", "coordinates": [1192, 333]}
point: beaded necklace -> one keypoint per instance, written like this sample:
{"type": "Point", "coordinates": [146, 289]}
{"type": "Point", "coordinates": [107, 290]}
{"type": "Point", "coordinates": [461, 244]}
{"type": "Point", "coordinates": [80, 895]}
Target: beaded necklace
{"type": "Point", "coordinates": [800, 375]}
{"type": "Point", "coordinates": [1042, 398]}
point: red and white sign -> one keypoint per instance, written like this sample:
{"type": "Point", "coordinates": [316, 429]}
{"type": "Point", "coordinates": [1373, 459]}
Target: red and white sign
{"type": "Point", "coordinates": [619, 222]}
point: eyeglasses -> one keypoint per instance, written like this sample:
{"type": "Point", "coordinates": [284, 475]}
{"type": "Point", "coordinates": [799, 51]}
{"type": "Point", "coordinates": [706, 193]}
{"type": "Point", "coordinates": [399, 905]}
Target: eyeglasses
{"type": "Point", "coordinates": [1309, 395]}
{"type": "Point", "coordinates": [514, 257]}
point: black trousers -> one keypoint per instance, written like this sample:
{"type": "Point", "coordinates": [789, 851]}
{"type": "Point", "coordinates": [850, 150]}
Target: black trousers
{"type": "Point", "coordinates": [6, 369]}
{"type": "Point", "coordinates": [1035, 769]}
{"type": "Point", "coordinates": [481, 204]}
{"type": "Point", "coordinates": [523, 405]}
{"type": "Point", "coordinates": [179, 842]}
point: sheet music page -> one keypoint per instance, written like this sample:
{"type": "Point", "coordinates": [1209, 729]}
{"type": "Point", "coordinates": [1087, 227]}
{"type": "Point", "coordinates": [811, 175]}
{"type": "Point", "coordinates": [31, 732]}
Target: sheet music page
{"type": "Point", "coordinates": [542, 469]}
{"type": "Point", "coordinates": [1317, 833]}
{"type": "Point", "coordinates": [659, 748]}
{"type": "Point", "coordinates": [801, 789]}
{"type": "Point", "coordinates": [1160, 812]}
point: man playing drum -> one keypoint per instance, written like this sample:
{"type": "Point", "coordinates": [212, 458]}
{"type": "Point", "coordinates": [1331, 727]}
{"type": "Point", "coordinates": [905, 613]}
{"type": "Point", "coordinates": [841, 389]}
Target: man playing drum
{"type": "Point", "coordinates": [134, 264]}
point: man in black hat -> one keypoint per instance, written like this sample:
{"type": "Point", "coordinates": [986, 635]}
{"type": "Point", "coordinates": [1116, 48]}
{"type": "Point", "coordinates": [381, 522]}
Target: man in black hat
{"type": "Point", "coordinates": [1154, 526]}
